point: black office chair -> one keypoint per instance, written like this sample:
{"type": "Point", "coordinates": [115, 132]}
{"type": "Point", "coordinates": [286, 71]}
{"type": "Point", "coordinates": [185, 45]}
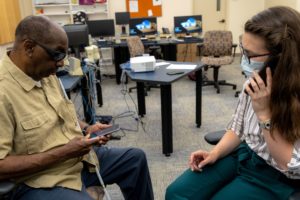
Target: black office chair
{"type": "Point", "coordinates": [214, 137]}
{"type": "Point", "coordinates": [5, 188]}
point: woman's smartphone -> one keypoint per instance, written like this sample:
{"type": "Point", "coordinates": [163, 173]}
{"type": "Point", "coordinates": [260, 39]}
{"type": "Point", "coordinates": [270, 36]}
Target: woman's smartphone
{"type": "Point", "coordinates": [106, 131]}
{"type": "Point", "coordinates": [272, 63]}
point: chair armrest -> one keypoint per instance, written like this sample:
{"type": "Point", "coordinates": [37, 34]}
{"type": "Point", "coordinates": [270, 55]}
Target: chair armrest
{"type": "Point", "coordinates": [214, 137]}
{"type": "Point", "coordinates": [295, 196]}
{"type": "Point", "coordinates": [234, 46]}
{"type": "Point", "coordinates": [5, 187]}
{"type": "Point", "coordinates": [199, 48]}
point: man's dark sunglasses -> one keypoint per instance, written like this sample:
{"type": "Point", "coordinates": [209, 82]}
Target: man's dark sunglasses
{"type": "Point", "coordinates": [248, 58]}
{"type": "Point", "coordinates": [55, 55]}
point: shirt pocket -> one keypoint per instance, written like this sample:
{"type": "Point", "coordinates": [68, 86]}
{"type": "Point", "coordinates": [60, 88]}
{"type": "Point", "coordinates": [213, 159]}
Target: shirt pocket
{"type": "Point", "coordinates": [35, 131]}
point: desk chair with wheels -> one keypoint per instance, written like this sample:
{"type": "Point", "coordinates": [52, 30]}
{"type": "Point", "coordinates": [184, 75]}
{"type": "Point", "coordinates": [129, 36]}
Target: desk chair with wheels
{"type": "Point", "coordinates": [217, 50]}
{"type": "Point", "coordinates": [136, 48]}
{"type": "Point", "coordinates": [214, 137]}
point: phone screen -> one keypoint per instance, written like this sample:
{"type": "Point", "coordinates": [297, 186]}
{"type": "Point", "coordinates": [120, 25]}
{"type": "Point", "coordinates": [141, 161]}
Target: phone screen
{"type": "Point", "coordinates": [106, 131]}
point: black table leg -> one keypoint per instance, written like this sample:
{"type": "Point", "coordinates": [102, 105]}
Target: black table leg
{"type": "Point", "coordinates": [166, 118]}
{"type": "Point", "coordinates": [99, 88]}
{"type": "Point", "coordinates": [198, 97]}
{"type": "Point", "coordinates": [141, 98]}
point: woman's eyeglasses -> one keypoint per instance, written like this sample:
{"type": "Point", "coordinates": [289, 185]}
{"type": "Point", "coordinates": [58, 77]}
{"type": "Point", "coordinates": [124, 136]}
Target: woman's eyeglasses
{"type": "Point", "coordinates": [54, 54]}
{"type": "Point", "coordinates": [248, 58]}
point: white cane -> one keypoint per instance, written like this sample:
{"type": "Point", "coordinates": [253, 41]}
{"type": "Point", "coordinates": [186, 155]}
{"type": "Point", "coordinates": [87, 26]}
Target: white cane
{"type": "Point", "coordinates": [91, 156]}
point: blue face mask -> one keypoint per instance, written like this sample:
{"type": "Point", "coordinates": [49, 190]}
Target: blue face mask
{"type": "Point", "coordinates": [249, 68]}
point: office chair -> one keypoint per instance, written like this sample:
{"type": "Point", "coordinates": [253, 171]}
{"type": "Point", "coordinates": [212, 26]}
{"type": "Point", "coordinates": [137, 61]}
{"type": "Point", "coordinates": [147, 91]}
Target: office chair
{"type": "Point", "coordinates": [5, 188]}
{"type": "Point", "coordinates": [217, 50]}
{"type": "Point", "coordinates": [136, 48]}
{"type": "Point", "coordinates": [214, 137]}
{"type": "Point", "coordinates": [96, 192]}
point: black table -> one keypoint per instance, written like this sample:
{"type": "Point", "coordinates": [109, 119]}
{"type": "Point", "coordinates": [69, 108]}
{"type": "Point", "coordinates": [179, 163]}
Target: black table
{"type": "Point", "coordinates": [160, 76]}
{"type": "Point", "coordinates": [168, 48]}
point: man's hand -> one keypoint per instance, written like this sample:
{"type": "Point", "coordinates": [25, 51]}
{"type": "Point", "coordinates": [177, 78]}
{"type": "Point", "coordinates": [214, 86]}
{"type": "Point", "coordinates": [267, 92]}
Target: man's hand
{"type": "Point", "coordinates": [96, 127]}
{"type": "Point", "coordinates": [79, 146]}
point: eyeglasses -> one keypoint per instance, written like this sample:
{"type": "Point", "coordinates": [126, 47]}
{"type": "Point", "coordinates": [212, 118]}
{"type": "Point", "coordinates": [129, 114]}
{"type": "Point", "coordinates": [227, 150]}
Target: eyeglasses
{"type": "Point", "coordinates": [248, 58]}
{"type": "Point", "coordinates": [55, 55]}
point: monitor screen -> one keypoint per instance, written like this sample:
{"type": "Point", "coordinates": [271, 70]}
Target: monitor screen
{"type": "Point", "coordinates": [78, 35]}
{"type": "Point", "coordinates": [122, 18]}
{"type": "Point", "coordinates": [143, 26]}
{"type": "Point", "coordinates": [101, 28]}
{"type": "Point", "coordinates": [188, 24]}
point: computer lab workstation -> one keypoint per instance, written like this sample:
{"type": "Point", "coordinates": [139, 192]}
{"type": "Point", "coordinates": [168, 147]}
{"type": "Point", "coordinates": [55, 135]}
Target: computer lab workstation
{"type": "Point", "coordinates": [162, 46]}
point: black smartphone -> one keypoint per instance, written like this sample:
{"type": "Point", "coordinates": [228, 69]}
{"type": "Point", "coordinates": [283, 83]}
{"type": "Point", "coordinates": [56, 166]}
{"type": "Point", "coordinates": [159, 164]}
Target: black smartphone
{"type": "Point", "coordinates": [113, 128]}
{"type": "Point", "coordinates": [165, 30]}
{"type": "Point", "coordinates": [272, 63]}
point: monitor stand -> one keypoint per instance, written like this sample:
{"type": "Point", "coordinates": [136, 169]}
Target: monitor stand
{"type": "Point", "coordinates": [101, 39]}
{"type": "Point", "coordinates": [124, 30]}
{"type": "Point", "coordinates": [188, 35]}
{"type": "Point", "coordinates": [143, 37]}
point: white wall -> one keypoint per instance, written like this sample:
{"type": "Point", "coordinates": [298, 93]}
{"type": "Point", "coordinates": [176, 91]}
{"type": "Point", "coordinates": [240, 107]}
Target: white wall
{"type": "Point", "coordinates": [238, 12]}
{"type": "Point", "coordinates": [290, 3]}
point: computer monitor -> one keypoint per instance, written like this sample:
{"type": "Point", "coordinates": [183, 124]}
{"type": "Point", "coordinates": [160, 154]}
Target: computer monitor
{"type": "Point", "coordinates": [122, 18]}
{"type": "Point", "coordinates": [78, 37]}
{"type": "Point", "coordinates": [101, 28]}
{"type": "Point", "coordinates": [188, 24]}
{"type": "Point", "coordinates": [143, 26]}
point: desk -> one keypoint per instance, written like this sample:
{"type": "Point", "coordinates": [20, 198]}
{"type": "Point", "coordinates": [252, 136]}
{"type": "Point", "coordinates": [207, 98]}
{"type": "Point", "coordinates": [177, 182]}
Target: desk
{"type": "Point", "coordinates": [160, 77]}
{"type": "Point", "coordinates": [168, 48]}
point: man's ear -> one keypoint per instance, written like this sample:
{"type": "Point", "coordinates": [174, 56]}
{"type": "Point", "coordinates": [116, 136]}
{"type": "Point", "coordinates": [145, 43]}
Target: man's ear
{"type": "Point", "coordinates": [29, 47]}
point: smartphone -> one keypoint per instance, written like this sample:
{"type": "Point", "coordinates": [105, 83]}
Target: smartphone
{"type": "Point", "coordinates": [103, 132]}
{"type": "Point", "coordinates": [272, 63]}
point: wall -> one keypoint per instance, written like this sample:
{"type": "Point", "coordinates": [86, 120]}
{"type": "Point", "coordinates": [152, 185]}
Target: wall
{"type": "Point", "coordinates": [290, 3]}
{"type": "Point", "coordinates": [170, 8]}
{"type": "Point", "coordinates": [238, 12]}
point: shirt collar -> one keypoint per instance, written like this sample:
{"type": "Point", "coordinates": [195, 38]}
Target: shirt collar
{"type": "Point", "coordinates": [18, 75]}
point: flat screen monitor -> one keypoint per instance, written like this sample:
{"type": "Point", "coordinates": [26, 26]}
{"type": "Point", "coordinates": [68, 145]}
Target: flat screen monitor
{"type": "Point", "coordinates": [143, 26]}
{"type": "Point", "coordinates": [188, 24]}
{"type": "Point", "coordinates": [122, 18]}
{"type": "Point", "coordinates": [78, 37]}
{"type": "Point", "coordinates": [101, 28]}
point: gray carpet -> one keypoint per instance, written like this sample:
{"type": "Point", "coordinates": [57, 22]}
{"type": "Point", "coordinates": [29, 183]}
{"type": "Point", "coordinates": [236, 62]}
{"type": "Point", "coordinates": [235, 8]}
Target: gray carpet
{"type": "Point", "coordinates": [216, 113]}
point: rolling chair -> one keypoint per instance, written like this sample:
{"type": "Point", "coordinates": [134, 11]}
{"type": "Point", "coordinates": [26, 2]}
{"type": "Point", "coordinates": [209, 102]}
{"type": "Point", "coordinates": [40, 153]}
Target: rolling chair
{"type": "Point", "coordinates": [136, 48]}
{"type": "Point", "coordinates": [214, 137]}
{"type": "Point", "coordinates": [217, 50]}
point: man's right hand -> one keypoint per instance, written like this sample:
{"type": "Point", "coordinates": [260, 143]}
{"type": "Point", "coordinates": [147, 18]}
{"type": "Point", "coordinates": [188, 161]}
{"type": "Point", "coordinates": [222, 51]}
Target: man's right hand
{"type": "Point", "coordinates": [79, 146]}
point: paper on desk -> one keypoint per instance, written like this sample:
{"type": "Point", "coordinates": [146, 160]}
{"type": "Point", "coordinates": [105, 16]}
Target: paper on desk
{"type": "Point", "coordinates": [161, 64]}
{"type": "Point", "coordinates": [181, 66]}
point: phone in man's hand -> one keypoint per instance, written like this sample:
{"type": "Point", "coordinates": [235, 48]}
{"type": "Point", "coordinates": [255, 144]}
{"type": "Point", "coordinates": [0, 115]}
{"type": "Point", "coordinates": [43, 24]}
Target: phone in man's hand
{"type": "Point", "coordinates": [106, 131]}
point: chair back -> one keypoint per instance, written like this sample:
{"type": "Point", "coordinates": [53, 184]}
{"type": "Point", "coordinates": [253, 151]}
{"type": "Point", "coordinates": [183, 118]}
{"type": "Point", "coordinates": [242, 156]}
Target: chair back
{"type": "Point", "coordinates": [135, 46]}
{"type": "Point", "coordinates": [217, 43]}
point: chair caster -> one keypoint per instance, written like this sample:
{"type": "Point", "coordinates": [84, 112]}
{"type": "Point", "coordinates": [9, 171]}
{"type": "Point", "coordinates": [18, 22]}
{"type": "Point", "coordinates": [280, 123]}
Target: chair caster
{"type": "Point", "coordinates": [218, 91]}
{"type": "Point", "coordinates": [234, 87]}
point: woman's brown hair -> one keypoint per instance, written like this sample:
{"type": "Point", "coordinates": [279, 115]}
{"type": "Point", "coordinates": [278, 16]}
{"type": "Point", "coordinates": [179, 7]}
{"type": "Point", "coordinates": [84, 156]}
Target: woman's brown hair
{"type": "Point", "coordinates": [279, 27]}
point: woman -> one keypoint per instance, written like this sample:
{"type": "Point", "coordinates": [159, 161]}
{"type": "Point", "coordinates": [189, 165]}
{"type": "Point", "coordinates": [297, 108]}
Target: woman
{"type": "Point", "coordinates": [259, 155]}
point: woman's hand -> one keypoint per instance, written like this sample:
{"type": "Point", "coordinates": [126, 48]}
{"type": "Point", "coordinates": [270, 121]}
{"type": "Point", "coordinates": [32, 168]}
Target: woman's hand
{"type": "Point", "coordinates": [96, 127]}
{"type": "Point", "coordinates": [260, 95]}
{"type": "Point", "coordinates": [200, 158]}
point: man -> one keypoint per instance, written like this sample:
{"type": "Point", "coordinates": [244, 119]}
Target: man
{"type": "Point", "coordinates": [42, 147]}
